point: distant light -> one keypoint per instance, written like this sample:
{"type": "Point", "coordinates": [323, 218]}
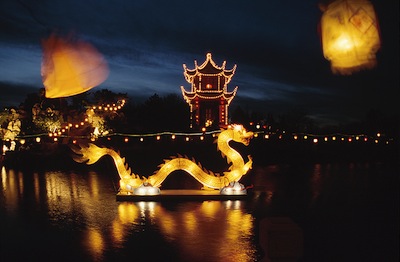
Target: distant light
{"type": "Point", "coordinates": [305, 137]}
{"type": "Point", "coordinates": [326, 139]}
{"type": "Point", "coordinates": [266, 136]}
{"type": "Point", "coordinates": [295, 137]}
{"type": "Point", "coordinates": [37, 139]}
{"type": "Point", "coordinates": [141, 139]}
{"type": "Point", "coordinates": [315, 140]}
{"type": "Point", "coordinates": [126, 139]}
{"type": "Point", "coordinates": [173, 136]}
{"type": "Point", "coordinates": [158, 137]}
{"type": "Point", "coordinates": [378, 134]}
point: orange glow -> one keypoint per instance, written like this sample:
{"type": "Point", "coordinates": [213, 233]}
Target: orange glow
{"type": "Point", "coordinates": [130, 182]}
{"type": "Point", "coordinates": [71, 67]}
{"type": "Point", "coordinates": [350, 36]}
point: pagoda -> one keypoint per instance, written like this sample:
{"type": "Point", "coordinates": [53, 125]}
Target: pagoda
{"type": "Point", "coordinates": [208, 98]}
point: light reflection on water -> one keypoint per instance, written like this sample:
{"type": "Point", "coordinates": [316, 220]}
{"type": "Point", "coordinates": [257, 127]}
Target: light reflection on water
{"type": "Point", "coordinates": [85, 204]}
{"type": "Point", "coordinates": [67, 215]}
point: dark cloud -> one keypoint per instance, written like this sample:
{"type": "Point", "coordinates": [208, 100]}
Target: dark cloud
{"type": "Point", "coordinates": [275, 44]}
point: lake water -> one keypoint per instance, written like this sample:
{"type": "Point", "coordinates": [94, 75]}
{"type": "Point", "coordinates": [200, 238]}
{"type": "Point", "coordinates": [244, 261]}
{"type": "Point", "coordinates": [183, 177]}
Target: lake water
{"type": "Point", "coordinates": [347, 211]}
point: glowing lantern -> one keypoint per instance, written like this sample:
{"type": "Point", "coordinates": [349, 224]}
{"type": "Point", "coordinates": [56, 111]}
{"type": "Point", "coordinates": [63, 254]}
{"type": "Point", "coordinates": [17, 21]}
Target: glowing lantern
{"type": "Point", "coordinates": [350, 36]}
{"type": "Point", "coordinates": [71, 67]}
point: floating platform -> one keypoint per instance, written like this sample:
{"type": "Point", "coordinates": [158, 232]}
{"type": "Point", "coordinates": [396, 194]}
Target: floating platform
{"type": "Point", "coordinates": [181, 195]}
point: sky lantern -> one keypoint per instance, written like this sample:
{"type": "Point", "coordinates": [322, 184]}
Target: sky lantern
{"type": "Point", "coordinates": [350, 35]}
{"type": "Point", "coordinates": [71, 67]}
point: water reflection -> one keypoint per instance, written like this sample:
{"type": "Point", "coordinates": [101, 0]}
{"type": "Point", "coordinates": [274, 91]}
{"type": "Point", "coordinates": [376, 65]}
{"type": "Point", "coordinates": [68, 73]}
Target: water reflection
{"type": "Point", "coordinates": [212, 230]}
{"type": "Point", "coordinates": [83, 204]}
{"type": "Point", "coordinates": [75, 215]}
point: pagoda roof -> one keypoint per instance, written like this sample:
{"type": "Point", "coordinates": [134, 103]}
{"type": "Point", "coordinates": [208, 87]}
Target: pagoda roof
{"type": "Point", "coordinates": [189, 95]}
{"type": "Point", "coordinates": [208, 68]}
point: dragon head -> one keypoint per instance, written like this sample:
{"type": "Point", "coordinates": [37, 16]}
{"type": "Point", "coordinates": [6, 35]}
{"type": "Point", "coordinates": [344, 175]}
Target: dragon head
{"type": "Point", "coordinates": [241, 135]}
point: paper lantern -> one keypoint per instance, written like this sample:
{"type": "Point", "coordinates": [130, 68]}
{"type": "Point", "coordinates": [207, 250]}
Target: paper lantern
{"type": "Point", "coordinates": [350, 35]}
{"type": "Point", "coordinates": [71, 67]}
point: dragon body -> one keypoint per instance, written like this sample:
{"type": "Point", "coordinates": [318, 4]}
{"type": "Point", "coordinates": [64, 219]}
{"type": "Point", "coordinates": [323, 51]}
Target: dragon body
{"type": "Point", "coordinates": [130, 181]}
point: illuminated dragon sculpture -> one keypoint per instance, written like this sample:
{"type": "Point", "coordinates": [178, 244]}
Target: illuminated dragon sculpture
{"type": "Point", "coordinates": [132, 183]}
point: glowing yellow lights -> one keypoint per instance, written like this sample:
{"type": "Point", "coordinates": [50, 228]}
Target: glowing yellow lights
{"type": "Point", "coordinates": [187, 139]}
{"type": "Point", "coordinates": [173, 137]}
{"type": "Point", "coordinates": [129, 181]}
{"type": "Point", "coordinates": [295, 137]}
{"type": "Point", "coordinates": [315, 140]}
{"type": "Point", "coordinates": [378, 134]}
{"type": "Point", "coordinates": [326, 139]}
{"type": "Point", "coordinates": [158, 137]}
{"type": "Point", "coordinates": [305, 137]}
{"type": "Point", "coordinates": [201, 138]}
{"type": "Point", "coordinates": [350, 35]}
{"type": "Point", "coordinates": [126, 139]}
{"type": "Point", "coordinates": [71, 67]}
{"type": "Point", "coordinates": [37, 139]}
{"type": "Point", "coordinates": [266, 136]}
{"type": "Point", "coordinates": [141, 139]}
{"type": "Point", "coordinates": [209, 82]}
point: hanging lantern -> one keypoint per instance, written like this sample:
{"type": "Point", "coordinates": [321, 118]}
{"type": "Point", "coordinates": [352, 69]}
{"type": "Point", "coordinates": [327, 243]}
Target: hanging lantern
{"type": "Point", "coordinates": [350, 36]}
{"type": "Point", "coordinates": [71, 67]}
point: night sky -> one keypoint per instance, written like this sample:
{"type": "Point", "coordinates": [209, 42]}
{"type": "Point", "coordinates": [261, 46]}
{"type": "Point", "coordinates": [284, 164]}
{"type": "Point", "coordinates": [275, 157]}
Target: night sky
{"type": "Point", "coordinates": [274, 43]}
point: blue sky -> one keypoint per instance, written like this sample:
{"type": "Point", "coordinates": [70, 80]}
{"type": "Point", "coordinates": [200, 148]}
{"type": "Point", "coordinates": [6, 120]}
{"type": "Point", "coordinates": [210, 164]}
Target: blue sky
{"type": "Point", "coordinates": [275, 45]}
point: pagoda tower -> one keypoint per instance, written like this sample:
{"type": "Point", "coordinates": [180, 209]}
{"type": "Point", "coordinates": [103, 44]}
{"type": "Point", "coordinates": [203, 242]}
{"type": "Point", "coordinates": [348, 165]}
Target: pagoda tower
{"type": "Point", "coordinates": [208, 98]}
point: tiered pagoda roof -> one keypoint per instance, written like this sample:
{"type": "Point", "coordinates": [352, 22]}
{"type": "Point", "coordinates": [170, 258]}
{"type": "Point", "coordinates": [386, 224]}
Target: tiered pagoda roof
{"type": "Point", "coordinates": [208, 69]}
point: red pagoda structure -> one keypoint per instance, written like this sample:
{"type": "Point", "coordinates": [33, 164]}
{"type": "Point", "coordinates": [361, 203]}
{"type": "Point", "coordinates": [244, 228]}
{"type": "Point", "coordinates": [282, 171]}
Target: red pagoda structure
{"type": "Point", "coordinates": [208, 98]}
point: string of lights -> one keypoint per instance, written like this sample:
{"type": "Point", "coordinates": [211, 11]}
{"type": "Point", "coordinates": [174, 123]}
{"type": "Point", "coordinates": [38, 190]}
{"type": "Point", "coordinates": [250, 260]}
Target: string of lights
{"type": "Point", "coordinates": [260, 135]}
